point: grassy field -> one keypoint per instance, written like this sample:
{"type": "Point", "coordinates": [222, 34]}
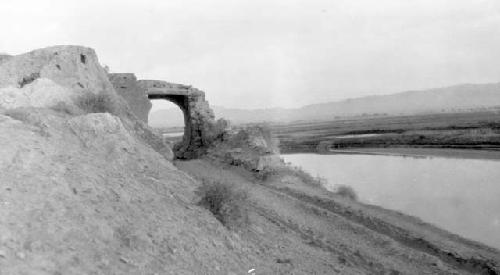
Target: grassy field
{"type": "Point", "coordinates": [477, 130]}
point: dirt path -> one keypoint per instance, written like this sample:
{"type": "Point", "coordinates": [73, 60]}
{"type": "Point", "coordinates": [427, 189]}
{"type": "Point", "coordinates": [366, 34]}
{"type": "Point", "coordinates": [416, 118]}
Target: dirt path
{"type": "Point", "coordinates": [328, 234]}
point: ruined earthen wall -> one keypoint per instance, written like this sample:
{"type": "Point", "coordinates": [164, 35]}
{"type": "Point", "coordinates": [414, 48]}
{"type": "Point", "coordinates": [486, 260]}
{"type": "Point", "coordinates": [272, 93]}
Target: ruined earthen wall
{"type": "Point", "coordinates": [200, 126]}
{"type": "Point", "coordinates": [126, 85]}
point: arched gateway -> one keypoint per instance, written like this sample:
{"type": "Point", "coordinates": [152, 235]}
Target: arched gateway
{"type": "Point", "coordinates": [199, 119]}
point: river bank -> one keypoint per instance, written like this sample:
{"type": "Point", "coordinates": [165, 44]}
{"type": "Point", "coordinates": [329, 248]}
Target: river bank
{"type": "Point", "coordinates": [307, 229]}
{"type": "Point", "coordinates": [474, 130]}
{"type": "Point", "coordinates": [422, 152]}
{"type": "Point", "coordinates": [456, 194]}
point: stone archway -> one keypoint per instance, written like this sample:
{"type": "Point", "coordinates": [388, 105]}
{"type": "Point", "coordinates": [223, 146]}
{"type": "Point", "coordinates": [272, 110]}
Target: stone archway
{"type": "Point", "coordinates": [199, 122]}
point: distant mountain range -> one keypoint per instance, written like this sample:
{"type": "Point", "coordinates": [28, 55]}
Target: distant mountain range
{"type": "Point", "coordinates": [459, 98]}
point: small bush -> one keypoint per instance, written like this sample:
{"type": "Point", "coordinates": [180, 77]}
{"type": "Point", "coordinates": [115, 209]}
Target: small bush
{"type": "Point", "coordinates": [225, 202]}
{"type": "Point", "coordinates": [346, 192]}
{"type": "Point", "coordinates": [96, 103]}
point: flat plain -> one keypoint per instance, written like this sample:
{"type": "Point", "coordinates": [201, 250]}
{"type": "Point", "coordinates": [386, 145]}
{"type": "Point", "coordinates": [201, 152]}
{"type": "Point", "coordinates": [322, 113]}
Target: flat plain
{"type": "Point", "coordinates": [473, 130]}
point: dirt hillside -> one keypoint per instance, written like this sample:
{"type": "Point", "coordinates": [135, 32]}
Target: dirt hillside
{"type": "Point", "coordinates": [88, 193]}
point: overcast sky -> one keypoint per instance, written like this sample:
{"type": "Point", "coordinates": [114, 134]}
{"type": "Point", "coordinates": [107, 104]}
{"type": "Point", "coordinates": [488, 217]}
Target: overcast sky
{"type": "Point", "coordinates": [264, 53]}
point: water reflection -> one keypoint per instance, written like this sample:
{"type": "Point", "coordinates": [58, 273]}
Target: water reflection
{"type": "Point", "coordinates": [460, 195]}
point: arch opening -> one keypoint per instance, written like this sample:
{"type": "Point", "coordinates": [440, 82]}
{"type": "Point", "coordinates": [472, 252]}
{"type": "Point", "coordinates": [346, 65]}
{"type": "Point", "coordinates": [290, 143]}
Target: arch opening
{"type": "Point", "coordinates": [168, 116]}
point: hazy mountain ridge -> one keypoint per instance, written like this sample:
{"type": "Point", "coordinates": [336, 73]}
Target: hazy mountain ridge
{"type": "Point", "coordinates": [458, 97]}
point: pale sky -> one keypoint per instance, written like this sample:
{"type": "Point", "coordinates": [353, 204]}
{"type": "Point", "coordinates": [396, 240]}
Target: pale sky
{"type": "Point", "coordinates": [264, 53]}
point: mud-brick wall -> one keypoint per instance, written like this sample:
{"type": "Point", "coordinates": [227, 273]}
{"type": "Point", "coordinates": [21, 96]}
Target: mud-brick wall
{"type": "Point", "coordinates": [125, 85]}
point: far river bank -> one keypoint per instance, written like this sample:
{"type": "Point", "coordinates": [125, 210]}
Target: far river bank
{"type": "Point", "coordinates": [422, 152]}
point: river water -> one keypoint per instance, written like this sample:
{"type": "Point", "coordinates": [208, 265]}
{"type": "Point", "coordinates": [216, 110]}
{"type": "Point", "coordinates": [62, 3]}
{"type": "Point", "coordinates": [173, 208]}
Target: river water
{"type": "Point", "coordinates": [173, 134]}
{"type": "Point", "coordinates": [459, 195]}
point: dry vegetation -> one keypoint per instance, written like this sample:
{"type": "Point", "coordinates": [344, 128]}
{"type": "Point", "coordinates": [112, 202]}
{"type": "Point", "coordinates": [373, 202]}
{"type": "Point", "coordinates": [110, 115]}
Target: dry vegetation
{"type": "Point", "coordinates": [96, 103]}
{"type": "Point", "coordinates": [225, 202]}
{"type": "Point", "coordinates": [346, 192]}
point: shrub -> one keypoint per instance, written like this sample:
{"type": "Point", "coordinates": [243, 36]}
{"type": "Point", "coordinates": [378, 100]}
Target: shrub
{"type": "Point", "coordinates": [96, 103]}
{"type": "Point", "coordinates": [346, 192]}
{"type": "Point", "coordinates": [226, 203]}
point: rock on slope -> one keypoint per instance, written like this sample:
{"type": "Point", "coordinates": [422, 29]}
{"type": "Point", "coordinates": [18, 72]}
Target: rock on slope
{"type": "Point", "coordinates": [252, 147]}
{"type": "Point", "coordinates": [84, 193]}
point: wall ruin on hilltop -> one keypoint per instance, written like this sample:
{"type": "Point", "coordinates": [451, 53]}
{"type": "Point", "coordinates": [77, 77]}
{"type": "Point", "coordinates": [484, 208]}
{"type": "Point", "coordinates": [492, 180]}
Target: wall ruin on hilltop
{"type": "Point", "coordinates": [200, 127]}
{"type": "Point", "coordinates": [57, 78]}
{"type": "Point", "coordinates": [125, 84]}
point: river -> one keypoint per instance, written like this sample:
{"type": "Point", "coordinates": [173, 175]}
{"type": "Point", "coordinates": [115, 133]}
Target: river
{"type": "Point", "coordinates": [459, 195]}
{"type": "Point", "coordinates": [173, 134]}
